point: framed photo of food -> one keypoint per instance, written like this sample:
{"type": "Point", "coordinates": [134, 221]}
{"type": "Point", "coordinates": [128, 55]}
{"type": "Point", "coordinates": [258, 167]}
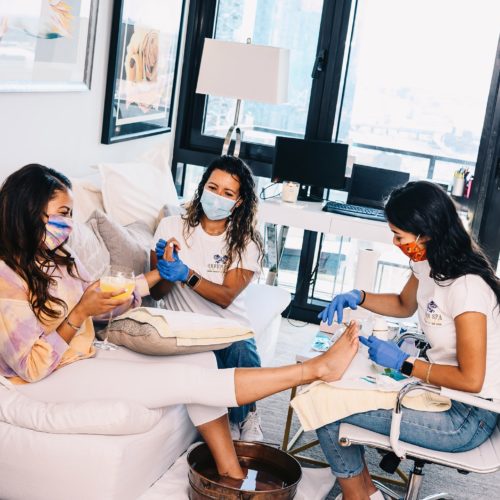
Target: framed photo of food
{"type": "Point", "coordinates": [143, 57]}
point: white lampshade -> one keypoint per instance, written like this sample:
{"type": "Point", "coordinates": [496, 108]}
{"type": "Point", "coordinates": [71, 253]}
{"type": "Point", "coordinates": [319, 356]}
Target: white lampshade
{"type": "Point", "coordinates": [244, 71]}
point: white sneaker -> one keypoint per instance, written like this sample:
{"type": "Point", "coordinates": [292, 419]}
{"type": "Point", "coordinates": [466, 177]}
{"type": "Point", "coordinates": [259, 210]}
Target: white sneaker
{"type": "Point", "coordinates": [251, 429]}
{"type": "Point", "coordinates": [235, 431]}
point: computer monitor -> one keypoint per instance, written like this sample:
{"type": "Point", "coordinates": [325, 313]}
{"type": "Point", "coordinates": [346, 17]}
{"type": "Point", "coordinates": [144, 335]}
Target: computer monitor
{"type": "Point", "coordinates": [320, 164]}
{"type": "Point", "coordinates": [370, 186]}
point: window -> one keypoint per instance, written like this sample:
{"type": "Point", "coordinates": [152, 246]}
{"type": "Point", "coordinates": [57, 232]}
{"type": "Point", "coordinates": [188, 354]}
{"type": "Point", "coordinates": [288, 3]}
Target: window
{"type": "Point", "coordinates": [416, 88]}
{"type": "Point", "coordinates": [291, 24]}
{"type": "Point", "coordinates": [405, 84]}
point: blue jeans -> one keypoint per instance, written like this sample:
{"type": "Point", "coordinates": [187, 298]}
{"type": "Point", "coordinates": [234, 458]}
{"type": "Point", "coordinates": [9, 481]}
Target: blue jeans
{"type": "Point", "coordinates": [242, 354]}
{"type": "Point", "coordinates": [461, 428]}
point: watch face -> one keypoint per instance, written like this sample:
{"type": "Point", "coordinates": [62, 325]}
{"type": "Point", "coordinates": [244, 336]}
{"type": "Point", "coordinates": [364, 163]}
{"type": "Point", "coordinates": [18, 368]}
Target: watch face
{"type": "Point", "coordinates": [406, 368]}
{"type": "Point", "coordinates": [191, 282]}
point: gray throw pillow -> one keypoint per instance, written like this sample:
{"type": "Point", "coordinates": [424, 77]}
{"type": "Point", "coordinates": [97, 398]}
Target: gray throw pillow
{"type": "Point", "coordinates": [87, 244]}
{"type": "Point", "coordinates": [128, 246]}
{"type": "Point", "coordinates": [144, 338]}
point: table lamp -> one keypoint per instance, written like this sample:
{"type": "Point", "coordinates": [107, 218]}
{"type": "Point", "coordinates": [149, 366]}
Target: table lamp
{"type": "Point", "coordinates": [243, 71]}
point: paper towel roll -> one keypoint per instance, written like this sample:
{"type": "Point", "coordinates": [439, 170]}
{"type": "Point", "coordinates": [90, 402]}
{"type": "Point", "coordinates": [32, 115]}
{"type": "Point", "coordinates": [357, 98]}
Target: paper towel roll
{"type": "Point", "coordinates": [366, 269]}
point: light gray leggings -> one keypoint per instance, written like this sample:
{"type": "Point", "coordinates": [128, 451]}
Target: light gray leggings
{"type": "Point", "coordinates": [154, 381]}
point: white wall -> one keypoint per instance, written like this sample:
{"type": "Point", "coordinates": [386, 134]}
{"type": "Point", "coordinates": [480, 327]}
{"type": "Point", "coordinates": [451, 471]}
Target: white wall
{"type": "Point", "coordinates": [63, 129]}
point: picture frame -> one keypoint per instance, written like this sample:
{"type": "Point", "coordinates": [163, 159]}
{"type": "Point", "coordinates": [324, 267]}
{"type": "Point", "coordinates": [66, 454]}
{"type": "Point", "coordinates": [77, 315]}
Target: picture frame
{"type": "Point", "coordinates": [47, 46]}
{"type": "Point", "coordinates": [142, 68]}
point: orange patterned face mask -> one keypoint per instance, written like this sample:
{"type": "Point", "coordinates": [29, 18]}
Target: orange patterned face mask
{"type": "Point", "coordinates": [413, 250]}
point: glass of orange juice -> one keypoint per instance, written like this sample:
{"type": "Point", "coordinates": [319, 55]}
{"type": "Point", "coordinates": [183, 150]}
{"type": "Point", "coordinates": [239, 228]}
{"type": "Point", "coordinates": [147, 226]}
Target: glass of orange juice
{"type": "Point", "coordinates": [115, 279]}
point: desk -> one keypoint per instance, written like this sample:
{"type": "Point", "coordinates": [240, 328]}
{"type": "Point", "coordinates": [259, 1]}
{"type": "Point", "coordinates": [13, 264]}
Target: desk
{"type": "Point", "coordinates": [309, 216]}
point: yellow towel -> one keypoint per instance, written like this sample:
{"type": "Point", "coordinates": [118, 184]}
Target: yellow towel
{"type": "Point", "coordinates": [322, 403]}
{"type": "Point", "coordinates": [189, 328]}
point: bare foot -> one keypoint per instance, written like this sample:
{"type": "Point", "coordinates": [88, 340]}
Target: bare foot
{"type": "Point", "coordinates": [235, 474]}
{"type": "Point", "coordinates": [331, 365]}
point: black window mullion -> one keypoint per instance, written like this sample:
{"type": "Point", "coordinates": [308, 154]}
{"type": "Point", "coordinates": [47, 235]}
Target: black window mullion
{"type": "Point", "coordinates": [320, 119]}
{"type": "Point", "coordinates": [326, 88]}
{"type": "Point", "coordinates": [485, 202]}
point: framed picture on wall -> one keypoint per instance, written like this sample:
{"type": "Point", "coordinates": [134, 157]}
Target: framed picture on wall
{"type": "Point", "coordinates": [47, 45]}
{"type": "Point", "coordinates": [142, 68]}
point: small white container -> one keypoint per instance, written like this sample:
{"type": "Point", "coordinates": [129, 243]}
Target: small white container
{"type": "Point", "coordinates": [381, 329]}
{"type": "Point", "coordinates": [290, 191]}
{"type": "Point", "coordinates": [458, 186]}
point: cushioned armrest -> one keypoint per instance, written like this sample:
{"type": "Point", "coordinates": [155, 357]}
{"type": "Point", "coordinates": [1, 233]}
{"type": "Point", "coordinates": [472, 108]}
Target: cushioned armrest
{"type": "Point", "coordinates": [110, 417]}
{"type": "Point", "coordinates": [470, 399]}
{"type": "Point", "coordinates": [460, 396]}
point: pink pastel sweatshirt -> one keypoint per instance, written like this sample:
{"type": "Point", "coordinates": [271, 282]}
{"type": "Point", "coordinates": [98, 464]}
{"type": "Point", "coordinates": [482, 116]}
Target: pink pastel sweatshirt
{"type": "Point", "coordinates": [31, 349]}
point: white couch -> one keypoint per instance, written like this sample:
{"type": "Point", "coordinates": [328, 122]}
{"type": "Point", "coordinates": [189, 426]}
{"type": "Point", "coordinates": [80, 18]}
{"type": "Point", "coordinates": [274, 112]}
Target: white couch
{"type": "Point", "coordinates": [39, 465]}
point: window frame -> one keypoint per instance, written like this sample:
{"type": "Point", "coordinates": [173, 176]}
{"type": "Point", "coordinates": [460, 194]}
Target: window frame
{"type": "Point", "coordinates": [335, 36]}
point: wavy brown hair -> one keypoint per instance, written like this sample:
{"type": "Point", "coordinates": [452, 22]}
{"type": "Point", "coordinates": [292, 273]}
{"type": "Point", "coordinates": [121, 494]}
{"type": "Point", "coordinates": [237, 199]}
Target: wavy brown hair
{"type": "Point", "coordinates": [24, 197]}
{"type": "Point", "coordinates": [241, 226]}
{"type": "Point", "coordinates": [424, 208]}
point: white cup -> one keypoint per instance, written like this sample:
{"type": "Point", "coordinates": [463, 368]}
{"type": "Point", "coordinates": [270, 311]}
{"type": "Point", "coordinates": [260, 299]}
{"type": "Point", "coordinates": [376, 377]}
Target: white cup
{"type": "Point", "coordinates": [290, 191]}
{"type": "Point", "coordinates": [458, 186]}
{"type": "Point", "coordinates": [381, 329]}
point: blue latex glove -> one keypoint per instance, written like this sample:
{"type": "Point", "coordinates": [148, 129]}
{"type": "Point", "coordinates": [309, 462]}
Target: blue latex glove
{"type": "Point", "coordinates": [339, 302]}
{"type": "Point", "coordinates": [174, 270]}
{"type": "Point", "coordinates": [160, 249]}
{"type": "Point", "coordinates": [384, 353]}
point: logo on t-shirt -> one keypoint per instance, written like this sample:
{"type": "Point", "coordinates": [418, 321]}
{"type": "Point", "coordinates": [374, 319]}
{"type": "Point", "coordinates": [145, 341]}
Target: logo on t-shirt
{"type": "Point", "coordinates": [432, 314]}
{"type": "Point", "coordinates": [217, 266]}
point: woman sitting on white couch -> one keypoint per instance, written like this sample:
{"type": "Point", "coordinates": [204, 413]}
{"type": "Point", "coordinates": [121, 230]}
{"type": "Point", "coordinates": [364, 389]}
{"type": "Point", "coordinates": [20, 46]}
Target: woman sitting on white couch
{"type": "Point", "coordinates": [220, 253]}
{"type": "Point", "coordinates": [46, 310]}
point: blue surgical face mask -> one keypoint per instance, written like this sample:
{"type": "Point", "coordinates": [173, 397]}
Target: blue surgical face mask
{"type": "Point", "coordinates": [216, 207]}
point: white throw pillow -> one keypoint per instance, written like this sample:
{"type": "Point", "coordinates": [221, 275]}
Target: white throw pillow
{"type": "Point", "coordinates": [136, 191]}
{"type": "Point", "coordinates": [85, 417]}
{"type": "Point", "coordinates": [87, 197]}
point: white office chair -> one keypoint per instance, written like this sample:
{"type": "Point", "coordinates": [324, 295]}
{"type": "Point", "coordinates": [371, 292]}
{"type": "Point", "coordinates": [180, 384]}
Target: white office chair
{"type": "Point", "coordinates": [483, 460]}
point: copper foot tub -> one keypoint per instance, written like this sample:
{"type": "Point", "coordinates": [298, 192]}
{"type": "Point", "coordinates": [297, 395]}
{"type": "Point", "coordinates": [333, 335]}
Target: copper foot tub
{"type": "Point", "coordinates": [273, 474]}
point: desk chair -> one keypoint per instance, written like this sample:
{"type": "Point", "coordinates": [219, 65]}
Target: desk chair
{"type": "Point", "coordinates": [483, 460]}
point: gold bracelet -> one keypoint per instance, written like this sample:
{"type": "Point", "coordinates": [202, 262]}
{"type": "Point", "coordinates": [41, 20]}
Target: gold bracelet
{"type": "Point", "coordinates": [71, 325]}
{"type": "Point", "coordinates": [429, 368]}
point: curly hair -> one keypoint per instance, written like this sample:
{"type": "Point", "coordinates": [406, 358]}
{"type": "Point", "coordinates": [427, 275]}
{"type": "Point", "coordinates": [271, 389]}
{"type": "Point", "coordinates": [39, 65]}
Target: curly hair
{"type": "Point", "coordinates": [23, 201]}
{"type": "Point", "coordinates": [241, 225]}
{"type": "Point", "coordinates": [423, 208]}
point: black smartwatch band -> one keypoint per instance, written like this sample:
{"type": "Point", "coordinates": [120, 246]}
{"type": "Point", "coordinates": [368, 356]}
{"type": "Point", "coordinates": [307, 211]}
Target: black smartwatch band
{"type": "Point", "coordinates": [406, 368]}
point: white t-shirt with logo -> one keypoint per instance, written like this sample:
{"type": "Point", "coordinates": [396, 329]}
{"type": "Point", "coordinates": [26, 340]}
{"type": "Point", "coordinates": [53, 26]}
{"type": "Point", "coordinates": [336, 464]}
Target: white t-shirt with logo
{"type": "Point", "coordinates": [205, 254]}
{"type": "Point", "coordinates": [439, 305]}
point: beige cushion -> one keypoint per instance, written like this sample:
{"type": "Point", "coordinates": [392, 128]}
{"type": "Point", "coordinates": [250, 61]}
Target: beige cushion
{"type": "Point", "coordinates": [144, 338]}
{"type": "Point", "coordinates": [127, 246]}
{"type": "Point", "coordinates": [159, 332]}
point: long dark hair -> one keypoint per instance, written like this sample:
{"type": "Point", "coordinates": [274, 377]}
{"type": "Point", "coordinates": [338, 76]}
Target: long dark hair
{"type": "Point", "coordinates": [23, 201]}
{"type": "Point", "coordinates": [241, 225]}
{"type": "Point", "coordinates": [423, 208]}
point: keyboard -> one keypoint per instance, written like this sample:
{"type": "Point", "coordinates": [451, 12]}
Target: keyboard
{"type": "Point", "coordinates": [354, 211]}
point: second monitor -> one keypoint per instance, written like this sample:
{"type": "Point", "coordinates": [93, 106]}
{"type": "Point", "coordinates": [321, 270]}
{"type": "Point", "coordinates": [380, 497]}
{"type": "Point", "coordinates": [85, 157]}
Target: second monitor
{"type": "Point", "coordinates": [319, 164]}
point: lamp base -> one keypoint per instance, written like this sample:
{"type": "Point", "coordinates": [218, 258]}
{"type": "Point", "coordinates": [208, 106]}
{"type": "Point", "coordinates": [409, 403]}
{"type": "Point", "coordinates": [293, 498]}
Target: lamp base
{"type": "Point", "coordinates": [227, 141]}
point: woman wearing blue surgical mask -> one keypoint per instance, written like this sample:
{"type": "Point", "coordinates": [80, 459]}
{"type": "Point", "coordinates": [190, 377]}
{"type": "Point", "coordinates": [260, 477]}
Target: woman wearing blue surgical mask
{"type": "Point", "coordinates": [207, 258]}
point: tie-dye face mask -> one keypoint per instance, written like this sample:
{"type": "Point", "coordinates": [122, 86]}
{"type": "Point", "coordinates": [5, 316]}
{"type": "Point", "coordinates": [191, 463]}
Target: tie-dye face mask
{"type": "Point", "coordinates": [57, 230]}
